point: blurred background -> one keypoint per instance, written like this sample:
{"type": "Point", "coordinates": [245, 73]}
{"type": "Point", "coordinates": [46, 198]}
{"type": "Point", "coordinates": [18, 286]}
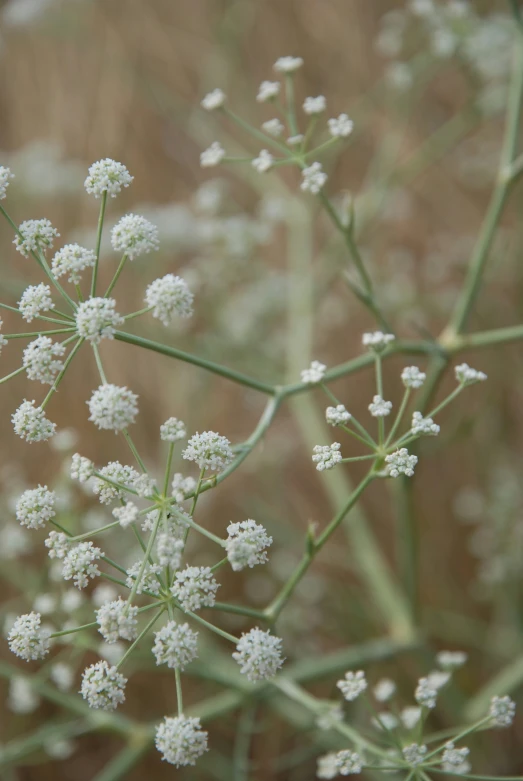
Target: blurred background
{"type": "Point", "coordinates": [87, 79]}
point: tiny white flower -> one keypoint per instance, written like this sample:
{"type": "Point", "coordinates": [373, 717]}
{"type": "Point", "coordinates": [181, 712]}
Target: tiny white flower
{"type": "Point", "coordinates": [5, 176]}
{"type": "Point", "coordinates": [35, 236]}
{"type": "Point", "coordinates": [58, 544]}
{"type": "Point", "coordinates": [149, 581]}
{"type": "Point", "coordinates": [467, 376]}
{"type": "Point", "coordinates": [40, 360]}
{"type": "Point", "coordinates": [337, 416]}
{"type": "Point", "coordinates": [35, 299]}
{"type": "Point", "coordinates": [22, 698]}
{"type": "Point", "coordinates": [259, 654]}
{"type": "Point", "coordinates": [384, 690]}
{"type": "Point", "coordinates": [31, 424]}
{"type": "Point", "coordinates": [213, 100]}
{"type": "Point", "coordinates": [122, 474]}
{"type": "Point", "coordinates": [379, 408]}
{"type": "Point", "coordinates": [421, 425]}
{"type": "Point", "coordinates": [97, 319]}
{"type": "Point", "coordinates": [246, 544]}
{"type": "Point", "coordinates": [455, 759]}
{"type": "Point", "coordinates": [72, 259]}
{"type": "Point", "coordinates": [426, 693]}
{"type": "Point", "coordinates": [313, 106]}
{"type": "Point", "coordinates": [107, 176]}
{"type": "Point", "coordinates": [330, 716]}
{"type": "Point", "coordinates": [169, 550]}
{"type": "Point", "coordinates": [180, 740]}
{"type": "Point", "coordinates": [117, 620]}
{"type": "Point", "coordinates": [27, 639]}
{"type": "Point", "coordinates": [412, 377]}
{"type": "Point", "coordinates": [133, 235]}
{"type": "Point", "coordinates": [103, 686]}
{"type": "Point", "coordinates": [348, 763]}
{"type": "Point", "coordinates": [182, 486]}
{"type": "Point", "coordinates": [209, 450]}
{"type": "Point", "coordinates": [414, 754]}
{"type": "Point", "coordinates": [79, 564]}
{"type": "Point", "coordinates": [35, 507]}
{"type": "Point", "coordinates": [173, 430]}
{"type": "Point", "coordinates": [62, 675]}
{"type": "Point", "coordinates": [377, 340]}
{"type": "Point", "coordinates": [268, 90]}
{"type": "Point", "coordinates": [410, 716]}
{"type": "Point", "coordinates": [401, 463]}
{"type": "Point", "coordinates": [212, 156]}
{"type": "Point", "coordinates": [287, 64]}
{"type": "Point", "coordinates": [169, 296]}
{"type": "Point", "coordinates": [502, 711]}
{"type": "Point", "coordinates": [263, 162]}
{"type": "Point", "coordinates": [194, 588]}
{"type": "Point", "coordinates": [327, 766]}
{"type": "Point", "coordinates": [296, 141]}
{"type": "Point", "coordinates": [112, 407]}
{"type": "Point", "coordinates": [313, 178]}
{"type": "Point", "coordinates": [273, 127]}
{"type": "Point", "coordinates": [340, 127]}
{"type": "Point", "coordinates": [315, 373]}
{"type": "Point", "coordinates": [126, 515]}
{"type": "Point", "coordinates": [326, 456]}
{"type": "Point", "coordinates": [352, 685]}
{"type": "Point", "coordinates": [450, 660]}
{"type": "Point", "coordinates": [82, 469]}
{"type": "Point", "coordinates": [176, 645]}
{"type": "Point", "coordinates": [144, 485]}
{"type": "Point", "coordinates": [437, 679]}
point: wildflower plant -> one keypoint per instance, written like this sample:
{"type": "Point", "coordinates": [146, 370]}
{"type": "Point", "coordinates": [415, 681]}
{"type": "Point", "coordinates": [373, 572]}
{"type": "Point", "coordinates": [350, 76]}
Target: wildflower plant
{"type": "Point", "coordinates": [164, 596]}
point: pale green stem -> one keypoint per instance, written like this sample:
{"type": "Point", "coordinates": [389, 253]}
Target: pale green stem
{"type": "Point", "coordinates": [289, 99]}
{"type": "Point", "coordinates": [74, 629]}
{"type": "Point", "coordinates": [366, 438]}
{"type": "Point", "coordinates": [134, 451]}
{"type": "Point", "coordinates": [101, 218]}
{"type": "Point", "coordinates": [205, 532]}
{"type": "Point", "coordinates": [168, 467]}
{"type": "Point", "coordinates": [219, 565]}
{"type": "Point", "coordinates": [379, 388]}
{"type": "Point", "coordinates": [138, 313]}
{"type": "Point", "coordinates": [78, 292]}
{"type": "Point", "coordinates": [55, 282]}
{"type": "Point", "coordinates": [258, 134]}
{"type": "Point", "coordinates": [179, 695]}
{"type": "Point", "coordinates": [31, 334]}
{"type": "Point", "coordinates": [210, 626]}
{"type": "Point", "coordinates": [446, 401]}
{"type": "Point", "coordinates": [99, 364]}
{"type": "Point", "coordinates": [238, 610]}
{"type": "Point", "coordinates": [116, 276]}
{"type": "Point", "coordinates": [60, 377]}
{"type": "Point", "coordinates": [142, 634]}
{"type": "Point", "coordinates": [87, 535]}
{"type": "Point", "coordinates": [399, 416]}
{"type": "Point", "coordinates": [13, 374]}
{"type": "Point", "coordinates": [358, 458]}
{"type": "Point", "coordinates": [148, 551]}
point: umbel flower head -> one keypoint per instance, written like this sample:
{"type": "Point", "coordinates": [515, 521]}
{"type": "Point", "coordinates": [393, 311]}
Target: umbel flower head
{"type": "Point", "coordinates": [172, 430]}
{"type": "Point", "coordinates": [97, 319]}
{"type": "Point", "coordinates": [103, 686]}
{"type": "Point", "coordinates": [82, 468]}
{"type": "Point", "coordinates": [352, 685]}
{"type": "Point", "coordinates": [263, 162]}
{"type": "Point", "coordinates": [212, 156]}
{"type": "Point", "coordinates": [176, 645]}
{"type": "Point", "coordinates": [169, 550]}
{"type": "Point", "coordinates": [287, 64]}
{"type": "Point", "coordinates": [348, 763]}
{"type": "Point", "coordinates": [181, 740]}
{"type": "Point", "coordinates": [213, 100]}
{"type": "Point", "coordinates": [27, 639]}
{"type": "Point", "coordinates": [35, 507]}
{"type": "Point", "coordinates": [194, 588]}
{"type": "Point", "coordinates": [268, 90]}
{"type": "Point", "coordinates": [35, 236]}
{"type": "Point", "coordinates": [502, 711]}
{"type": "Point", "coordinates": [113, 407]}
{"type": "Point", "coordinates": [117, 473]}
{"type": "Point", "coordinates": [246, 544]}
{"type": "Point", "coordinates": [169, 297]}
{"type": "Point", "coordinates": [421, 425]}
{"type": "Point", "coordinates": [467, 376]}
{"type": "Point", "coordinates": [127, 514]}
{"type": "Point", "coordinates": [116, 620]}
{"type": "Point", "coordinates": [313, 178]}
{"type": "Point", "coordinates": [40, 360]}
{"type": "Point", "coordinates": [414, 754]}
{"type": "Point", "coordinates": [312, 106]}
{"type": "Point", "coordinates": [337, 416]}
{"type": "Point", "coordinates": [340, 127]}
{"type": "Point", "coordinates": [401, 463]}
{"type": "Point", "coordinates": [133, 235]}
{"type": "Point", "coordinates": [79, 564]}
{"type": "Point", "coordinates": [5, 176]}
{"type": "Point", "coordinates": [209, 450]}
{"type": "Point", "coordinates": [35, 299]}
{"type": "Point", "coordinates": [107, 176]}
{"type": "Point", "coordinates": [412, 377]}
{"type": "Point", "coordinates": [259, 654]}
{"type": "Point", "coordinates": [377, 340]}
{"type": "Point", "coordinates": [31, 424]}
{"type": "Point", "coordinates": [315, 373]}
{"type": "Point", "coordinates": [379, 408]}
{"type": "Point", "coordinates": [72, 259]}
{"type": "Point", "coordinates": [326, 456]}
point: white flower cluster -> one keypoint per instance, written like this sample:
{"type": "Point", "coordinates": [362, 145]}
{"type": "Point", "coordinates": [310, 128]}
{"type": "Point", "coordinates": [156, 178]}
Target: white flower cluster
{"type": "Point", "coordinates": [3, 340]}
{"type": "Point", "coordinates": [426, 692]}
{"type": "Point", "coordinates": [181, 740]}
{"type": "Point", "coordinates": [337, 416]}
{"type": "Point", "coordinates": [352, 685]}
{"type": "Point", "coordinates": [379, 408]}
{"type": "Point", "coordinates": [326, 456]}
{"type": "Point", "coordinates": [35, 299]}
{"type": "Point", "coordinates": [268, 90]}
{"type": "Point", "coordinates": [451, 660]}
{"type": "Point", "coordinates": [467, 376]}
{"type": "Point", "coordinates": [82, 469]}
{"type": "Point", "coordinates": [212, 156]}
{"type": "Point", "coordinates": [182, 486]}
{"type": "Point", "coordinates": [31, 424]}
{"type": "Point", "coordinates": [377, 340]}
{"type": "Point", "coordinates": [313, 178]}
{"type": "Point", "coordinates": [117, 619]}
{"type": "Point", "coordinates": [209, 450]}
{"type": "Point", "coordinates": [213, 100]}
{"type": "Point", "coordinates": [117, 473]}
{"type": "Point", "coordinates": [421, 425]}
{"type": "Point", "coordinates": [169, 550]}
{"type": "Point", "coordinates": [107, 176]}
{"type": "Point", "coordinates": [149, 581]}
{"type": "Point", "coordinates": [79, 564]}
{"type": "Point", "coordinates": [194, 588]}
{"type": "Point", "coordinates": [315, 373]}
{"type": "Point", "coordinates": [133, 235]}
{"type": "Point", "coordinates": [273, 127]}
{"type": "Point", "coordinates": [72, 259]}
{"type": "Point", "coordinates": [287, 64]}
{"type": "Point", "coordinates": [35, 507]}
{"type": "Point", "coordinates": [314, 106]}
{"type": "Point", "coordinates": [414, 754]}
{"type": "Point", "coordinates": [246, 544]}
{"type": "Point", "coordinates": [263, 162]}
{"type": "Point", "coordinates": [5, 176]}
{"type": "Point", "coordinates": [173, 430]}
{"type": "Point", "coordinates": [103, 686]}
{"type": "Point", "coordinates": [401, 463]}
{"type": "Point", "coordinates": [384, 690]}
{"type": "Point", "coordinates": [113, 407]}
{"type": "Point", "coordinates": [58, 544]}
{"type": "Point", "coordinates": [97, 319]}
{"type": "Point", "coordinates": [27, 639]}
{"type": "Point", "coordinates": [176, 645]}
{"type": "Point", "coordinates": [169, 296]}
{"type": "Point", "coordinates": [127, 514]}
{"type": "Point", "coordinates": [413, 377]}
{"type": "Point", "coordinates": [259, 654]}
{"type": "Point", "coordinates": [340, 127]}
{"type": "Point", "coordinates": [35, 236]}
{"type": "Point", "coordinates": [40, 360]}
{"type": "Point", "coordinates": [454, 760]}
{"type": "Point", "coordinates": [502, 711]}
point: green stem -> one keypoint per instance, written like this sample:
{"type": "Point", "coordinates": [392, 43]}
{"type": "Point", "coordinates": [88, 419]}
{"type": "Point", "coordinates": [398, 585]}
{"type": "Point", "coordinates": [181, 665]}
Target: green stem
{"type": "Point", "coordinates": [62, 373]}
{"type": "Point", "coordinates": [168, 467]}
{"type": "Point", "coordinates": [142, 634]}
{"type": "Point", "coordinates": [399, 416]}
{"type": "Point", "coordinates": [93, 533]}
{"type": "Point", "coordinates": [13, 374]}
{"type": "Point", "coordinates": [31, 334]}
{"type": "Point", "coordinates": [116, 276]}
{"type": "Point", "coordinates": [210, 626]}
{"type": "Point", "coordinates": [99, 364]}
{"type": "Point", "coordinates": [148, 551]}
{"type": "Point", "coordinates": [179, 695]}
{"type": "Point", "coordinates": [205, 532]}
{"type": "Point", "coordinates": [101, 217]}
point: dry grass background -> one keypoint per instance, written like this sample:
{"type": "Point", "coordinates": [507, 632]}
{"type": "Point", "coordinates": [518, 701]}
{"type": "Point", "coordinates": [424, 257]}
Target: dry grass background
{"type": "Point", "coordinates": [123, 79]}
